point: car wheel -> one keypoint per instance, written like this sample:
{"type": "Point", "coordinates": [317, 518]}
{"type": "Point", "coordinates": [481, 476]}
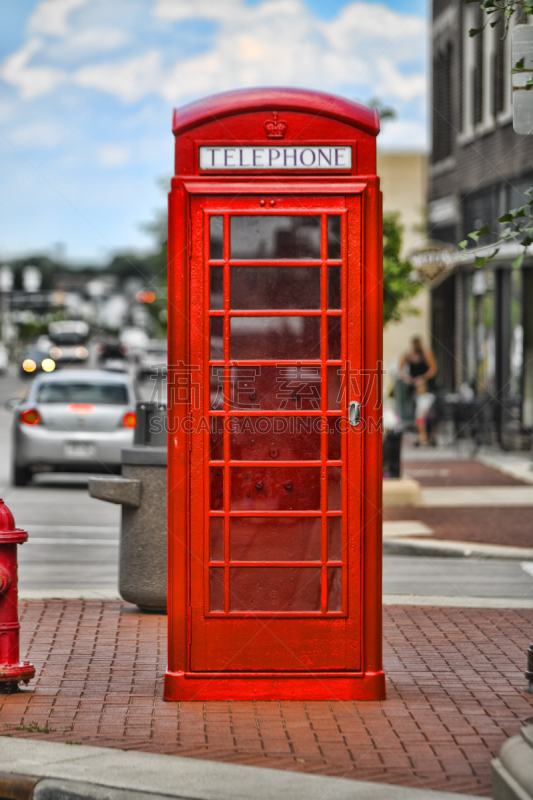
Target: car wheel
{"type": "Point", "coordinates": [21, 476]}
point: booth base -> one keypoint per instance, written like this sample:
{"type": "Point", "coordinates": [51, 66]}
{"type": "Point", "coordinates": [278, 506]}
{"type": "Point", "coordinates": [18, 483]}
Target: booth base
{"type": "Point", "coordinates": [202, 686]}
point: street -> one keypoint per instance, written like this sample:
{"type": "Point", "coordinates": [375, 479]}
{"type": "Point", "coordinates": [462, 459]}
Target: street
{"type": "Point", "coordinates": [73, 544]}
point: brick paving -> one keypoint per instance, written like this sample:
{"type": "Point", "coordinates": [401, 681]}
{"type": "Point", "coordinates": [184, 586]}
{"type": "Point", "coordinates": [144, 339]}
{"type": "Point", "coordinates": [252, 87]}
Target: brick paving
{"type": "Point", "coordinates": [446, 472]}
{"type": "Point", "coordinates": [455, 692]}
{"type": "Point", "coordinates": [504, 525]}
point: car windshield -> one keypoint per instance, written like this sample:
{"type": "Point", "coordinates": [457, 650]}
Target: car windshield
{"type": "Point", "coordinates": [114, 394]}
{"type": "Point", "coordinates": [68, 338]}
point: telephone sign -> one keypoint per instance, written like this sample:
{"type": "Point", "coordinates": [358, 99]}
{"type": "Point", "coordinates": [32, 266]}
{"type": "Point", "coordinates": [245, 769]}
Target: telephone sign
{"type": "Point", "coordinates": [309, 158]}
{"type": "Point", "coordinates": [274, 380]}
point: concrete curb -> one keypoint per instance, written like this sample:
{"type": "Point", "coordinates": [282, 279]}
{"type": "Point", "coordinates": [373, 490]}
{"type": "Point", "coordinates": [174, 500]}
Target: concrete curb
{"type": "Point", "coordinates": [456, 601]}
{"type": "Point", "coordinates": [440, 548]}
{"type": "Point", "coordinates": [65, 772]}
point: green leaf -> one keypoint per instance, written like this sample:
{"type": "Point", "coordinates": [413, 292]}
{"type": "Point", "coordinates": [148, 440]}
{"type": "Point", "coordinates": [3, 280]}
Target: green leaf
{"type": "Point", "coordinates": [526, 241]}
{"type": "Point", "coordinates": [517, 263]}
{"type": "Point", "coordinates": [480, 261]}
{"type": "Point", "coordinates": [518, 67]}
{"type": "Point", "coordinates": [464, 244]}
{"type": "Point", "coordinates": [474, 32]}
{"type": "Point", "coordinates": [523, 211]}
{"type": "Point", "coordinates": [505, 218]}
{"type": "Point", "coordinates": [529, 192]}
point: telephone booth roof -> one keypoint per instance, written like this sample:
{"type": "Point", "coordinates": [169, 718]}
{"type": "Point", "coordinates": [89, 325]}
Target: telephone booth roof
{"type": "Point", "coordinates": [244, 101]}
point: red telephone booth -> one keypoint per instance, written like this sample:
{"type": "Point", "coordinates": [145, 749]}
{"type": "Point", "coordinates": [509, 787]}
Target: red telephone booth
{"type": "Point", "coordinates": [275, 328]}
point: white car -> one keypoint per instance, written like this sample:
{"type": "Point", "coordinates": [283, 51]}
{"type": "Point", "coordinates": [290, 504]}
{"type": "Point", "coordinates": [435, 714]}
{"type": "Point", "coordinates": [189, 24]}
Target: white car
{"type": "Point", "coordinates": [154, 360]}
{"type": "Point", "coordinates": [73, 421]}
{"type": "Point", "coordinates": [69, 341]}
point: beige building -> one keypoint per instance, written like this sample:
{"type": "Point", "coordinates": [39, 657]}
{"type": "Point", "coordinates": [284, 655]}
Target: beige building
{"type": "Point", "coordinates": [403, 179]}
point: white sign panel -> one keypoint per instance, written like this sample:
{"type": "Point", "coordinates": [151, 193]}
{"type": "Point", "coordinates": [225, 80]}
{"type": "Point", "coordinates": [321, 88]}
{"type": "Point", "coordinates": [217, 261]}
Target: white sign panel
{"type": "Point", "coordinates": [279, 157]}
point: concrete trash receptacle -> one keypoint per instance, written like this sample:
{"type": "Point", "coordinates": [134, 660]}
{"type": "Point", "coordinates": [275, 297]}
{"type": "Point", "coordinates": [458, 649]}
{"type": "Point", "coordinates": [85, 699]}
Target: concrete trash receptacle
{"type": "Point", "coordinates": [141, 490]}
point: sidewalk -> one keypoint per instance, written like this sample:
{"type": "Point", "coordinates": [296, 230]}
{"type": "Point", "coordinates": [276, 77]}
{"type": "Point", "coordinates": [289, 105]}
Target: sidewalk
{"type": "Point", "coordinates": [455, 685]}
{"type": "Point", "coordinates": [466, 500]}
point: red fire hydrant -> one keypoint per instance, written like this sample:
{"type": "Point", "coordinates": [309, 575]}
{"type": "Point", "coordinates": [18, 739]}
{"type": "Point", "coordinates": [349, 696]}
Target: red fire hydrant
{"type": "Point", "coordinates": [12, 670]}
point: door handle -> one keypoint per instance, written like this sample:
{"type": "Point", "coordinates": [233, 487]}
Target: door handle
{"type": "Point", "coordinates": [354, 413]}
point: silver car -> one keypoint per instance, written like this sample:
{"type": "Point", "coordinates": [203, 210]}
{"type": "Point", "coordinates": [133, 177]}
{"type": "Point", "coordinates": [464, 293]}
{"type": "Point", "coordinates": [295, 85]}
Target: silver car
{"type": "Point", "coordinates": [73, 421]}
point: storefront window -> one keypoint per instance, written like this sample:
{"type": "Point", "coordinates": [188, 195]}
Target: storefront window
{"type": "Point", "coordinates": [516, 349]}
{"type": "Point", "coordinates": [481, 351]}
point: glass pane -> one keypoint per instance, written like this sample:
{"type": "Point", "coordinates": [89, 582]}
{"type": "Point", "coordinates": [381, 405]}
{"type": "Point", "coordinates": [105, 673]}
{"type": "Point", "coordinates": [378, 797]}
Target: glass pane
{"type": "Point", "coordinates": [275, 287]}
{"type": "Point", "coordinates": [275, 488]}
{"type": "Point", "coordinates": [275, 438]}
{"type": "Point", "coordinates": [216, 439]}
{"type": "Point", "coordinates": [216, 538]}
{"type": "Point", "coordinates": [334, 488]}
{"type": "Point", "coordinates": [216, 488]}
{"type": "Point", "coordinates": [334, 287]}
{"type": "Point", "coordinates": [334, 388]}
{"type": "Point", "coordinates": [275, 589]}
{"type": "Point", "coordinates": [216, 588]}
{"type": "Point", "coordinates": [334, 539]}
{"type": "Point", "coordinates": [275, 388]}
{"type": "Point", "coordinates": [216, 388]}
{"type": "Point", "coordinates": [262, 236]}
{"type": "Point", "coordinates": [275, 338]}
{"type": "Point", "coordinates": [334, 438]}
{"type": "Point", "coordinates": [216, 288]}
{"type": "Point", "coordinates": [216, 350]}
{"type": "Point", "coordinates": [275, 538]}
{"type": "Point", "coordinates": [216, 237]}
{"type": "Point", "coordinates": [334, 338]}
{"type": "Point", "coordinates": [334, 237]}
{"type": "Point", "coordinates": [335, 589]}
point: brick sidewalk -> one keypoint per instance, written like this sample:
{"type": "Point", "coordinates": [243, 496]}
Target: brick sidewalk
{"type": "Point", "coordinates": [455, 693]}
{"type": "Point", "coordinates": [503, 525]}
{"type": "Point", "coordinates": [430, 471]}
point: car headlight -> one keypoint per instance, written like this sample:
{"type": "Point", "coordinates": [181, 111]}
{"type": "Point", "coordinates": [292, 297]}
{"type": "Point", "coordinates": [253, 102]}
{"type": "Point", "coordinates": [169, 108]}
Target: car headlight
{"type": "Point", "coordinates": [48, 364]}
{"type": "Point", "coordinates": [56, 352]}
{"type": "Point", "coordinates": [81, 352]}
{"type": "Point", "coordinates": [29, 365]}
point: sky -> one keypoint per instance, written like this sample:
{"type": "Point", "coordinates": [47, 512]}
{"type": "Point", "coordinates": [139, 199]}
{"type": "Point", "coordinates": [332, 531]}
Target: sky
{"type": "Point", "coordinates": [87, 89]}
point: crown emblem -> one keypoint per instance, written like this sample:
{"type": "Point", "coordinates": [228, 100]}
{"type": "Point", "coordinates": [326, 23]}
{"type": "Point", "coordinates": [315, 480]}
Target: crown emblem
{"type": "Point", "coordinates": [275, 128]}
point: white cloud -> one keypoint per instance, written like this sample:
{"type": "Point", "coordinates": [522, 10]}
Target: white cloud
{"type": "Point", "coordinates": [31, 81]}
{"type": "Point", "coordinates": [130, 79]}
{"type": "Point", "coordinates": [403, 135]}
{"type": "Point", "coordinates": [95, 40]}
{"type": "Point", "coordinates": [365, 49]}
{"type": "Point", "coordinates": [113, 155]}
{"type": "Point", "coordinates": [51, 16]}
{"type": "Point", "coordinates": [37, 134]}
{"type": "Point", "coordinates": [179, 10]}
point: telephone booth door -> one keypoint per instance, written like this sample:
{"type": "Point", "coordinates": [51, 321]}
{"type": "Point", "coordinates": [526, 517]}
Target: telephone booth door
{"type": "Point", "coordinates": [275, 461]}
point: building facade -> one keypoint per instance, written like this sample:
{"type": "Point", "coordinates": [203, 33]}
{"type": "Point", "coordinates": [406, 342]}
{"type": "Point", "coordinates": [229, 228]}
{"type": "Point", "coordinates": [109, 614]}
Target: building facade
{"type": "Point", "coordinates": [403, 181]}
{"type": "Point", "coordinates": [479, 168]}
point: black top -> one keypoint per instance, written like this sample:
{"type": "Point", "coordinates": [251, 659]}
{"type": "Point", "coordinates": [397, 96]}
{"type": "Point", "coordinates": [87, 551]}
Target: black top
{"type": "Point", "coordinates": [417, 368]}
